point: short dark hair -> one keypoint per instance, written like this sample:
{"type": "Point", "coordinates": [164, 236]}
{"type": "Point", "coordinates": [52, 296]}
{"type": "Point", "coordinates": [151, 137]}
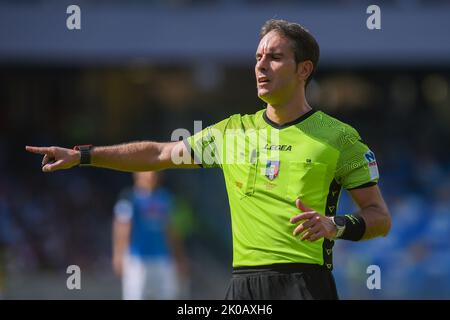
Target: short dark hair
{"type": "Point", "coordinates": [303, 43]}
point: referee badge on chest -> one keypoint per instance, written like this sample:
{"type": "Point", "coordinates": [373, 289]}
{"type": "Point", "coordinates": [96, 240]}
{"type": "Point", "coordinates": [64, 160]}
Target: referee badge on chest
{"type": "Point", "coordinates": [272, 169]}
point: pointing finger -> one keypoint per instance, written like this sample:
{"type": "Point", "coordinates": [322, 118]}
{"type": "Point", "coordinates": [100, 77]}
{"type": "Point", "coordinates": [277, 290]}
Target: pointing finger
{"type": "Point", "coordinates": [38, 150]}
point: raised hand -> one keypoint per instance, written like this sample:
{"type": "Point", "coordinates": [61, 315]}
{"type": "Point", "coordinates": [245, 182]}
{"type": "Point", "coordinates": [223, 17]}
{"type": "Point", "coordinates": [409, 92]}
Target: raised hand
{"type": "Point", "coordinates": [56, 158]}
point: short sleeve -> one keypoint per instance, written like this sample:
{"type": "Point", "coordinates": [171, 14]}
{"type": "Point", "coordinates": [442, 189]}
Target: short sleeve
{"type": "Point", "coordinates": [357, 166]}
{"type": "Point", "coordinates": [206, 146]}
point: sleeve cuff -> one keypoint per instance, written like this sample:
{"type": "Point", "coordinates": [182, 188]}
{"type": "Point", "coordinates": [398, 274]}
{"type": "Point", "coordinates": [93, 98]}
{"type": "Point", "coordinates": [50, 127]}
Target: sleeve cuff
{"type": "Point", "coordinates": [365, 185]}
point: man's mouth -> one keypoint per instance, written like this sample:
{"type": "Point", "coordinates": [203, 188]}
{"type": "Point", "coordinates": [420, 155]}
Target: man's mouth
{"type": "Point", "coordinates": [263, 80]}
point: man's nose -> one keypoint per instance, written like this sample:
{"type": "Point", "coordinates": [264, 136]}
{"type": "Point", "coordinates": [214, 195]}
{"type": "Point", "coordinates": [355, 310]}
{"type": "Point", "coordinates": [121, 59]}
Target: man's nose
{"type": "Point", "coordinates": [261, 64]}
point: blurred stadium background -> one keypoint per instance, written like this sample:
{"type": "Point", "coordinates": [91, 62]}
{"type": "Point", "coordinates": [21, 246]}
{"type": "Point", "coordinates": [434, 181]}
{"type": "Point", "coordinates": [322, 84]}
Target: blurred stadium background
{"type": "Point", "coordinates": [142, 68]}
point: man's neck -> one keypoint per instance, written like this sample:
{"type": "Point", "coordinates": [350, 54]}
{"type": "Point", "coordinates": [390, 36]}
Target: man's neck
{"type": "Point", "coordinates": [287, 113]}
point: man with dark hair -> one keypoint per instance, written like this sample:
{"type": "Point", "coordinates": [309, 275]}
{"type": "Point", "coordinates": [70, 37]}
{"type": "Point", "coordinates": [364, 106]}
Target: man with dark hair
{"type": "Point", "coordinates": [284, 168]}
{"type": "Point", "coordinates": [304, 45]}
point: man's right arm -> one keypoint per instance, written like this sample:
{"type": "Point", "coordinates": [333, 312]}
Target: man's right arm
{"type": "Point", "coordinates": [130, 157]}
{"type": "Point", "coordinates": [121, 238]}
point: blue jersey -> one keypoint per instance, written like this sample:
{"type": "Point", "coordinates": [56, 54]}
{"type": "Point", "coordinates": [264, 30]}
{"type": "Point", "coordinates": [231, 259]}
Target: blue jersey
{"type": "Point", "coordinates": [149, 214]}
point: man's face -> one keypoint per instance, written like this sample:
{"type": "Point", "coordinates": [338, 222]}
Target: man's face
{"type": "Point", "coordinates": [276, 70]}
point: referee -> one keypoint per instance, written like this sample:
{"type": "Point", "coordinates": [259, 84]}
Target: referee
{"type": "Point", "coordinates": [284, 169]}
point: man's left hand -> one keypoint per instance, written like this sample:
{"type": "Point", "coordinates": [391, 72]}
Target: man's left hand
{"type": "Point", "coordinates": [315, 227]}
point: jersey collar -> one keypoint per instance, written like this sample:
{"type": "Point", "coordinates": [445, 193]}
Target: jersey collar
{"type": "Point", "coordinates": [288, 124]}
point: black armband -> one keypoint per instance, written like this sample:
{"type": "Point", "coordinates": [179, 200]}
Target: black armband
{"type": "Point", "coordinates": [355, 227]}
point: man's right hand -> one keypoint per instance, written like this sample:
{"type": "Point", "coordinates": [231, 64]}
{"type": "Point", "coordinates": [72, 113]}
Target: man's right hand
{"type": "Point", "coordinates": [56, 158]}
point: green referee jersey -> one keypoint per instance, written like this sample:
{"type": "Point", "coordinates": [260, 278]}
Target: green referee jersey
{"type": "Point", "coordinates": [267, 167]}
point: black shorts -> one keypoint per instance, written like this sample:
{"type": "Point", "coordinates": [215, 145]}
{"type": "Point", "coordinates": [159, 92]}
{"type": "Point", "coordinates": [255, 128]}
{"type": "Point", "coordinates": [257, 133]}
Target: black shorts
{"type": "Point", "coordinates": [290, 281]}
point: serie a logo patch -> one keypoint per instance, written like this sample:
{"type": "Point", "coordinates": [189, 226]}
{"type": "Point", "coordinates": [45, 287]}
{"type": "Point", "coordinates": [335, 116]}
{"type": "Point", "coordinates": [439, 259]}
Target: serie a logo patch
{"type": "Point", "coordinates": [272, 169]}
{"type": "Point", "coordinates": [372, 163]}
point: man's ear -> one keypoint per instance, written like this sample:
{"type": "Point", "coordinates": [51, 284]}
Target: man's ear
{"type": "Point", "coordinates": [305, 68]}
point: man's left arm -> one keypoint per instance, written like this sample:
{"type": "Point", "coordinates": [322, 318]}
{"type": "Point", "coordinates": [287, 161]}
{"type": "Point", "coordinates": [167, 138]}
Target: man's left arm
{"type": "Point", "coordinates": [356, 170]}
{"type": "Point", "coordinates": [373, 210]}
{"type": "Point", "coordinates": [376, 220]}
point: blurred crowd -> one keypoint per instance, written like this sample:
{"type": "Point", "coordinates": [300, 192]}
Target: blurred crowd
{"type": "Point", "coordinates": [414, 259]}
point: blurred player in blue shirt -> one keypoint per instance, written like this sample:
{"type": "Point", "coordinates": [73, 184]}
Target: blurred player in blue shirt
{"type": "Point", "coordinates": [147, 251]}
